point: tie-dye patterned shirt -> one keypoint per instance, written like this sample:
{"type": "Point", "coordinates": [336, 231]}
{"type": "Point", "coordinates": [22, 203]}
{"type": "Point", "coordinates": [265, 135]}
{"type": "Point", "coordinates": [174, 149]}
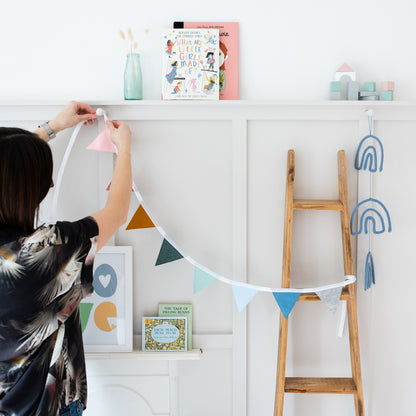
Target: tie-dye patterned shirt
{"type": "Point", "coordinates": [43, 277]}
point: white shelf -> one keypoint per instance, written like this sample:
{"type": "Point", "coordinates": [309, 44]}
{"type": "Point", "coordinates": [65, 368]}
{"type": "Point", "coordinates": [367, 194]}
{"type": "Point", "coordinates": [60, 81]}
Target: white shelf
{"type": "Point", "coordinates": [219, 103]}
{"type": "Point", "coordinates": [228, 110]}
{"type": "Point", "coordinates": [138, 354]}
{"type": "Point", "coordinates": [195, 354]}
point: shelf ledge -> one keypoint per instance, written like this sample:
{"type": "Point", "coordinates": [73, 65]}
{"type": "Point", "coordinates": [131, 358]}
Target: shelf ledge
{"type": "Point", "coordinates": [195, 354]}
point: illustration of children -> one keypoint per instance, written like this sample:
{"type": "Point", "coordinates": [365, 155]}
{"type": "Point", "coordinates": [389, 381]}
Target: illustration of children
{"type": "Point", "coordinates": [210, 86]}
{"type": "Point", "coordinates": [210, 61]}
{"type": "Point", "coordinates": [223, 56]}
{"type": "Point", "coordinates": [169, 48]}
{"type": "Point", "coordinates": [172, 74]}
{"type": "Point", "coordinates": [177, 89]}
{"type": "Point", "coordinates": [193, 84]}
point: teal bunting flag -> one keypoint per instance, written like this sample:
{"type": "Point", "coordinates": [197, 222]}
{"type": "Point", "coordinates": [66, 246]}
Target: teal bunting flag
{"type": "Point", "coordinates": [202, 279]}
{"type": "Point", "coordinates": [243, 296]}
{"type": "Point", "coordinates": [167, 253]}
{"type": "Point", "coordinates": [330, 297]}
{"type": "Point", "coordinates": [286, 301]}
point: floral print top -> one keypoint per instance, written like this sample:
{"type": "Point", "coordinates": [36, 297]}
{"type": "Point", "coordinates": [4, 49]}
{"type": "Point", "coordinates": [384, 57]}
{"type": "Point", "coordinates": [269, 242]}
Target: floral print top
{"type": "Point", "coordinates": [43, 277]}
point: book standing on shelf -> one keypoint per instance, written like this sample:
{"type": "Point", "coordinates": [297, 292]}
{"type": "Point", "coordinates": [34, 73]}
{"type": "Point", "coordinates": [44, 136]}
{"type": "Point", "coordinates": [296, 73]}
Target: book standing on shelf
{"type": "Point", "coordinates": [164, 334]}
{"type": "Point", "coordinates": [228, 54]}
{"type": "Point", "coordinates": [190, 64]}
{"type": "Point", "coordinates": [179, 309]}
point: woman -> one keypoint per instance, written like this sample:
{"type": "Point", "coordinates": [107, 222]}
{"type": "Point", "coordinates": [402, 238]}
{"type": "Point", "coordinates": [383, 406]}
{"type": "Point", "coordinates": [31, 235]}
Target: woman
{"type": "Point", "coordinates": [45, 272]}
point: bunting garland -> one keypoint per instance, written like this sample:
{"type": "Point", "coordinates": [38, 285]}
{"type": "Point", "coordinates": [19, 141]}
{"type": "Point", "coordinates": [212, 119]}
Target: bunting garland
{"type": "Point", "coordinates": [286, 301]}
{"type": "Point", "coordinates": [167, 253]}
{"type": "Point", "coordinates": [140, 220]}
{"type": "Point", "coordinates": [374, 216]}
{"type": "Point", "coordinates": [202, 279]}
{"type": "Point", "coordinates": [286, 298]}
{"type": "Point", "coordinates": [330, 297]}
{"type": "Point", "coordinates": [242, 296]}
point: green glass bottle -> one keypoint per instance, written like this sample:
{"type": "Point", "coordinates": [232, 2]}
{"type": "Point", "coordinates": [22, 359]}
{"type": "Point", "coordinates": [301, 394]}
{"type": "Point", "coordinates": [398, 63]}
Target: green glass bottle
{"type": "Point", "coordinates": [133, 84]}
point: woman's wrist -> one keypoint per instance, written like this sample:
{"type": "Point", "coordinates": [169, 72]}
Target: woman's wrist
{"type": "Point", "coordinates": [55, 126]}
{"type": "Point", "coordinates": [123, 151]}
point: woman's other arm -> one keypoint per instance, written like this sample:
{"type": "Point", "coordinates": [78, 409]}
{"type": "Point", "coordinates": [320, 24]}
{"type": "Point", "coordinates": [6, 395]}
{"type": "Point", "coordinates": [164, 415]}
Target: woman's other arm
{"type": "Point", "coordinates": [114, 213]}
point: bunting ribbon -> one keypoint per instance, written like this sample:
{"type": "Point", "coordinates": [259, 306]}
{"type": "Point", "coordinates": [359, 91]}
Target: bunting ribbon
{"type": "Point", "coordinates": [286, 298]}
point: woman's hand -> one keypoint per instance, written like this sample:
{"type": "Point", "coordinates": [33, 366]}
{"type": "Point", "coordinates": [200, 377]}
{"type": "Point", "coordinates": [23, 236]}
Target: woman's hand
{"type": "Point", "coordinates": [72, 114]}
{"type": "Point", "coordinates": [120, 135]}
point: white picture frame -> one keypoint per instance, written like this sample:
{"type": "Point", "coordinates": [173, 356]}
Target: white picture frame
{"type": "Point", "coordinates": [107, 315]}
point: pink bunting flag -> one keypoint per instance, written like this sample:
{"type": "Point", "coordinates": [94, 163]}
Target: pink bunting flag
{"type": "Point", "coordinates": [103, 142]}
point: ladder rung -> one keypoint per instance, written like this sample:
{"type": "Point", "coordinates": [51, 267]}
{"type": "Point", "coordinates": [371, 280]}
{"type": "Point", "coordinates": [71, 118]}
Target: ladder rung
{"type": "Point", "coordinates": [334, 385]}
{"type": "Point", "coordinates": [324, 204]}
{"type": "Point", "coordinates": [310, 297]}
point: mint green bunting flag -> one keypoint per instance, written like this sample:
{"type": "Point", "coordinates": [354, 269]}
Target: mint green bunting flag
{"type": "Point", "coordinates": [202, 279]}
{"type": "Point", "coordinates": [243, 296]}
{"type": "Point", "coordinates": [286, 301]}
{"type": "Point", "coordinates": [167, 253]}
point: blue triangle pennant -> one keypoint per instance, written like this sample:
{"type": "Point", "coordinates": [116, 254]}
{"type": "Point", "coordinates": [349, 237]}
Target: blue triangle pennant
{"type": "Point", "coordinates": [167, 253]}
{"type": "Point", "coordinates": [243, 296]}
{"type": "Point", "coordinates": [286, 301]}
{"type": "Point", "coordinates": [202, 279]}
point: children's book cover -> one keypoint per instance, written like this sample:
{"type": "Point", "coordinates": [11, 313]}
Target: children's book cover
{"type": "Point", "coordinates": [164, 334]}
{"type": "Point", "coordinates": [179, 309]}
{"type": "Point", "coordinates": [190, 64]}
{"type": "Point", "coordinates": [228, 54]}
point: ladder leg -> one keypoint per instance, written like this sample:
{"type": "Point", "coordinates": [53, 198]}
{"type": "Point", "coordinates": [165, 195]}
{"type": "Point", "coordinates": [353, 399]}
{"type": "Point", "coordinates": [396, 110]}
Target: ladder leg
{"type": "Point", "coordinates": [355, 351]}
{"type": "Point", "coordinates": [287, 249]}
{"type": "Point", "coordinates": [352, 301]}
{"type": "Point", "coordinates": [281, 366]}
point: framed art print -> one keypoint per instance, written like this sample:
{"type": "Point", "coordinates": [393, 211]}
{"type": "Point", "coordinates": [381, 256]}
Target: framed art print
{"type": "Point", "coordinates": [107, 315]}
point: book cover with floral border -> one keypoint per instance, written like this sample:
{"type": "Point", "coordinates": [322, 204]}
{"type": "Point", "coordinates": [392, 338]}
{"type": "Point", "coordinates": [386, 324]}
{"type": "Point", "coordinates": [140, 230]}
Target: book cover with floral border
{"type": "Point", "coordinates": [164, 334]}
{"type": "Point", "coordinates": [179, 309]}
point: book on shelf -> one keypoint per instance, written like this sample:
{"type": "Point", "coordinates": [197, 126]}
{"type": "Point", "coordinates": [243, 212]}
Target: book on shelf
{"type": "Point", "coordinates": [179, 309]}
{"type": "Point", "coordinates": [190, 67]}
{"type": "Point", "coordinates": [228, 54]}
{"type": "Point", "coordinates": [164, 333]}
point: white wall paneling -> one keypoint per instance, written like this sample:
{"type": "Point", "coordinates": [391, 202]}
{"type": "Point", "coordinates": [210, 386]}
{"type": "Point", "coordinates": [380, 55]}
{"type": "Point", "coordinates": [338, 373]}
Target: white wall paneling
{"type": "Point", "coordinates": [213, 175]}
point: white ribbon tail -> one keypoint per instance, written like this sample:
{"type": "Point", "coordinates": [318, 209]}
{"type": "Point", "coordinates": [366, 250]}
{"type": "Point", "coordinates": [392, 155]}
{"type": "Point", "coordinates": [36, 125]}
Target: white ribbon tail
{"type": "Point", "coordinates": [342, 319]}
{"type": "Point", "coordinates": [62, 169]}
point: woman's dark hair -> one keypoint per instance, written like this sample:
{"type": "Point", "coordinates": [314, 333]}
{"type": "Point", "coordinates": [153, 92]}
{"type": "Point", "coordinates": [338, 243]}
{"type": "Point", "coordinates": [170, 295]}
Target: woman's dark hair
{"type": "Point", "coordinates": [26, 168]}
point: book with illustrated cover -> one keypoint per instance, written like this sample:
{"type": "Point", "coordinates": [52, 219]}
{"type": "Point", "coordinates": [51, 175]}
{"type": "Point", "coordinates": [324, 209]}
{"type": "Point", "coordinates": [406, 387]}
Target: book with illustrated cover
{"type": "Point", "coordinates": [228, 54]}
{"type": "Point", "coordinates": [179, 309]}
{"type": "Point", "coordinates": [164, 333]}
{"type": "Point", "coordinates": [190, 64]}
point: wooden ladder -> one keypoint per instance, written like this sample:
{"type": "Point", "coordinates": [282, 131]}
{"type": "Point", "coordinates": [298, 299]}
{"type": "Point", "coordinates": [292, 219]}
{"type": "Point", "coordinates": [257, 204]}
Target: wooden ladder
{"type": "Point", "coordinates": [336, 385]}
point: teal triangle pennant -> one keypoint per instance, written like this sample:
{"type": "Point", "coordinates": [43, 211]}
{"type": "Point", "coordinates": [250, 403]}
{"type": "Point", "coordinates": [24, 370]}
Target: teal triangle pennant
{"type": "Point", "coordinates": [202, 279]}
{"type": "Point", "coordinates": [243, 296]}
{"type": "Point", "coordinates": [167, 253]}
{"type": "Point", "coordinates": [286, 301]}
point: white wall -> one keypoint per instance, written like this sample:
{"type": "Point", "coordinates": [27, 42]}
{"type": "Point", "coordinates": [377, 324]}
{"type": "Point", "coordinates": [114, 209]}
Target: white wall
{"type": "Point", "coordinates": [288, 49]}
